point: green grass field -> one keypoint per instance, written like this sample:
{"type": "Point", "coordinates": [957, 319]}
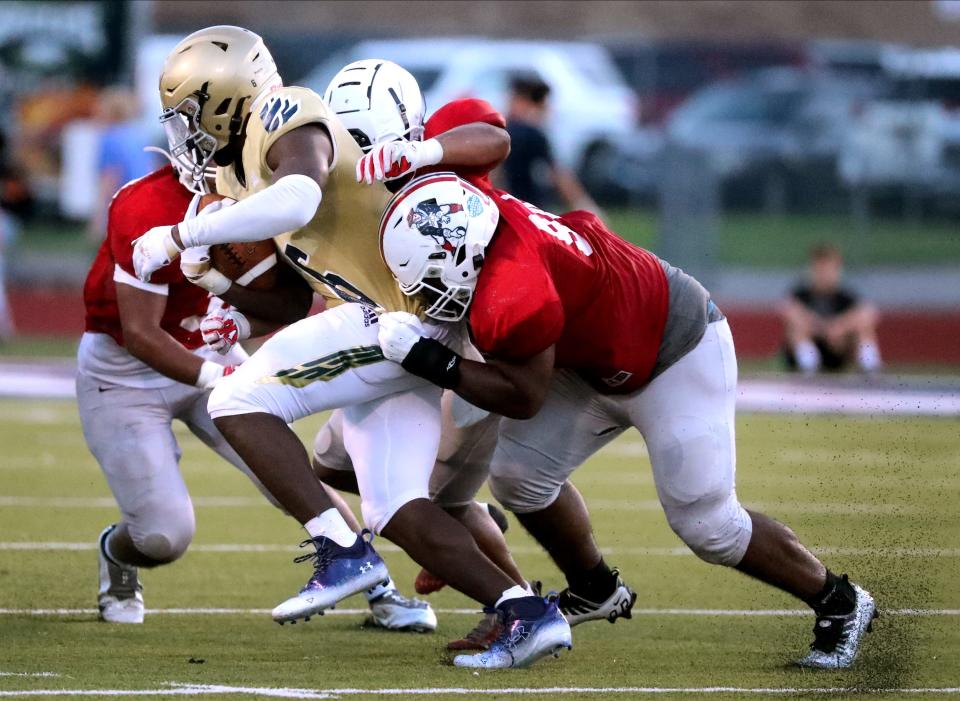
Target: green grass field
{"type": "Point", "coordinates": [877, 497]}
{"type": "Point", "coordinates": [746, 238]}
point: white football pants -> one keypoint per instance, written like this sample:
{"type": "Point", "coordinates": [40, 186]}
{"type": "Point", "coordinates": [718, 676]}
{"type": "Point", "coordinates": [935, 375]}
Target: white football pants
{"type": "Point", "coordinates": [391, 419]}
{"type": "Point", "coordinates": [130, 433]}
{"type": "Point", "coordinates": [686, 417]}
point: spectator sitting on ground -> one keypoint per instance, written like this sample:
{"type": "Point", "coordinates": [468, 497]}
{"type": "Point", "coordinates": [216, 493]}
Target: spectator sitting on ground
{"type": "Point", "coordinates": [530, 171]}
{"type": "Point", "coordinates": [827, 326]}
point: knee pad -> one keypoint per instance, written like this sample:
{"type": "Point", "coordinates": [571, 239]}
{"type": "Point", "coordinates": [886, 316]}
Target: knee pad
{"type": "Point", "coordinates": [521, 495]}
{"type": "Point", "coordinates": [166, 544]}
{"type": "Point", "coordinates": [718, 531]}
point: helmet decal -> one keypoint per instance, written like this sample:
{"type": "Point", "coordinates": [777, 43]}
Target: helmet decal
{"type": "Point", "coordinates": [440, 222]}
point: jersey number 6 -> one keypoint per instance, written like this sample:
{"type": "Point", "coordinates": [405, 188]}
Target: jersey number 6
{"type": "Point", "coordinates": [340, 287]}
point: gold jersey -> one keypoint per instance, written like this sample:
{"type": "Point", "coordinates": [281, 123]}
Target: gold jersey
{"type": "Point", "coordinates": [338, 252]}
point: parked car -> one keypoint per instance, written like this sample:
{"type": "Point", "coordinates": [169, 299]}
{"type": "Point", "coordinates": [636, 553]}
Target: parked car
{"type": "Point", "coordinates": [591, 105]}
{"type": "Point", "coordinates": [908, 138]}
{"type": "Point", "coordinates": [664, 73]}
{"type": "Point", "coordinates": [772, 133]}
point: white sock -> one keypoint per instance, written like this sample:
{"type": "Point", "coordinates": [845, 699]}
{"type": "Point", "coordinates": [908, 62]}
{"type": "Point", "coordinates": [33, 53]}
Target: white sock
{"type": "Point", "coordinates": [868, 356]}
{"type": "Point", "coordinates": [807, 356]}
{"type": "Point", "coordinates": [379, 590]}
{"type": "Point", "coordinates": [330, 524]}
{"type": "Point", "coordinates": [514, 592]}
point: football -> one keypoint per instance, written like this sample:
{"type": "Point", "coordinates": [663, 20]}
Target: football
{"type": "Point", "coordinates": [252, 264]}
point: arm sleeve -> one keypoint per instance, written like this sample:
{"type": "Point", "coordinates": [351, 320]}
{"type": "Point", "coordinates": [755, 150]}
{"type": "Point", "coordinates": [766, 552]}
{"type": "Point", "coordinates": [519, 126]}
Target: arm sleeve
{"type": "Point", "coordinates": [287, 205]}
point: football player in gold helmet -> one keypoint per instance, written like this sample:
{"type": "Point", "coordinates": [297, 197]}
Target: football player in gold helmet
{"type": "Point", "coordinates": [280, 151]}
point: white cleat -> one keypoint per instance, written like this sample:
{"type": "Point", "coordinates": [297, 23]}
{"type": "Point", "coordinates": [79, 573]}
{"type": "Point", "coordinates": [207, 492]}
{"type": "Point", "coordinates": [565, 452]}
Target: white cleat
{"type": "Point", "coordinates": [394, 611]}
{"type": "Point", "coordinates": [120, 599]}
{"type": "Point", "coordinates": [837, 638]}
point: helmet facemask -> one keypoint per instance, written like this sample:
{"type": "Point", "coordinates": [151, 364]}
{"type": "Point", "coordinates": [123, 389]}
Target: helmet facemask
{"type": "Point", "coordinates": [446, 299]}
{"type": "Point", "coordinates": [191, 148]}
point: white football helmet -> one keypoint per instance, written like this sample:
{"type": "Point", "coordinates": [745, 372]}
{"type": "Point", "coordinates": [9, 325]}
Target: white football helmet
{"type": "Point", "coordinates": [433, 235]}
{"type": "Point", "coordinates": [377, 101]}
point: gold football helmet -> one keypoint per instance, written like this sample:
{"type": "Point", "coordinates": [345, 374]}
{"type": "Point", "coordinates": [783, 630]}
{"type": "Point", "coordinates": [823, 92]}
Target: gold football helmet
{"type": "Point", "coordinates": [208, 83]}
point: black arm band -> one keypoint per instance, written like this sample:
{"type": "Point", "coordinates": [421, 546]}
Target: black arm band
{"type": "Point", "coordinates": [434, 362]}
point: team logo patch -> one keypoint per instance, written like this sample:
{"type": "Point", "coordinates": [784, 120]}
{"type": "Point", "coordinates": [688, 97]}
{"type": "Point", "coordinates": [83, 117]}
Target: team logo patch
{"type": "Point", "coordinates": [474, 206]}
{"type": "Point", "coordinates": [444, 223]}
{"type": "Point", "coordinates": [277, 111]}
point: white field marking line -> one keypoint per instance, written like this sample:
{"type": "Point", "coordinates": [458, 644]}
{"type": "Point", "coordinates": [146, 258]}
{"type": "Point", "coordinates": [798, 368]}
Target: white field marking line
{"type": "Point", "coordinates": [608, 504]}
{"type": "Point", "coordinates": [519, 549]}
{"type": "Point", "coordinates": [29, 674]}
{"type": "Point", "coordinates": [110, 502]}
{"type": "Point", "coordinates": [292, 693]}
{"type": "Point", "coordinates": [738, 613]}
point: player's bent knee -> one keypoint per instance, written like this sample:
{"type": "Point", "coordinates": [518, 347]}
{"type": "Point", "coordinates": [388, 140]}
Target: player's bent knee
{"type": "Point", "coordinates": [520, 495]}
{"type": "Point", "coordinates": [232, 396]}
{"type": "Point", "coordinates": [166, 546]}
{"type": "Point", "coordinates": [167, 534]}
{"type": "Point", "coordinates": [717, 531]}
{"type": "Point", "coordinates": [376, 515]}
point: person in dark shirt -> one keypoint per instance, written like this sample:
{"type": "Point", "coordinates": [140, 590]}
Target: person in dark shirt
{"type": "Point", "coordinates": [531, 173]}
{"type": "Point", "coordinates": [827, 325]}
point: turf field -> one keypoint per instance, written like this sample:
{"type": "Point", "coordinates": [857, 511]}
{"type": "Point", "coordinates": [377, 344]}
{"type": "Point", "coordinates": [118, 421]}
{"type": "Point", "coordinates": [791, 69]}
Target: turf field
{"type": "Point", "coordinates": [878, 497]}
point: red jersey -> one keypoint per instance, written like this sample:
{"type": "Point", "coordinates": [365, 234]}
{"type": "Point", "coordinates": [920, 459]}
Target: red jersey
{"type": "Point", "coordinates": [570, 282]}
{"type": "Point", "coordinates": [566, 281]}
{"type": "Point", "coordinates": [156, 199]}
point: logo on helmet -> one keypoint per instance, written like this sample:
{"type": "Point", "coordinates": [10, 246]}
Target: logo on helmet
{"type": "Point", "coordinates": [445, 223]}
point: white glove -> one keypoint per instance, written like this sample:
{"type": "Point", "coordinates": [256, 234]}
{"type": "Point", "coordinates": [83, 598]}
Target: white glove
{"type": "Point", "coordinates": [223, 329]}
{"type": "Point", "coordinates": [195, 265]}
{"type": "Point", "coordinates": [211, 373]}
{"type": "Point", "coordinates": [394, 159]}
{"type": "Point", "coordinates": [154, 250]}
{"type": "Point", "coordinates": [398, 332]}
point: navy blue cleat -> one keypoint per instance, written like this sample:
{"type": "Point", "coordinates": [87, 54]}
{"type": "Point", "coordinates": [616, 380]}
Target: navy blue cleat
{"type": "Point", "coordinates": [338, 572]}
{"type": "Point", "coordinates": [532, 628]}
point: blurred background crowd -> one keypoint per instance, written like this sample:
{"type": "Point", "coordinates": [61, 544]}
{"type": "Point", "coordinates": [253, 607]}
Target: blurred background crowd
{"type": "Point", "coordinates": [742, 140]}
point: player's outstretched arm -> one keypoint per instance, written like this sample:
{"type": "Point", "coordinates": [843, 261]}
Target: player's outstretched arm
{"type": "Point", "coordinates": [300, 160]}
{"type": "Point", "coordinates": [515, 389]}
{"type": "Point", "coordinates": [140, 315]}
{"type": "Point", "coordinates": [474, 145]}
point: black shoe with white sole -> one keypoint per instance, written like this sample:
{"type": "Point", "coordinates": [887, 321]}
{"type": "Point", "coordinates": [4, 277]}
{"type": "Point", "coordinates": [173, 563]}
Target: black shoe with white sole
{"type": "Point", "coordinates": [577, 609]}
{"type": "Point", "coordinates": [837, 637]}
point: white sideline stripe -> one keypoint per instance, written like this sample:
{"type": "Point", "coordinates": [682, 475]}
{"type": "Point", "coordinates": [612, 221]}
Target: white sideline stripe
{"type": "Point", "coordinates": [520, 549]}
{"type": "Point", "coordinates": [739, 613]}
{"type": "Point", "coordinates": [290, 693]}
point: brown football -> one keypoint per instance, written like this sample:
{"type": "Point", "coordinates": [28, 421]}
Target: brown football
{"type": "Point", "coordinates": [252, 265]}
